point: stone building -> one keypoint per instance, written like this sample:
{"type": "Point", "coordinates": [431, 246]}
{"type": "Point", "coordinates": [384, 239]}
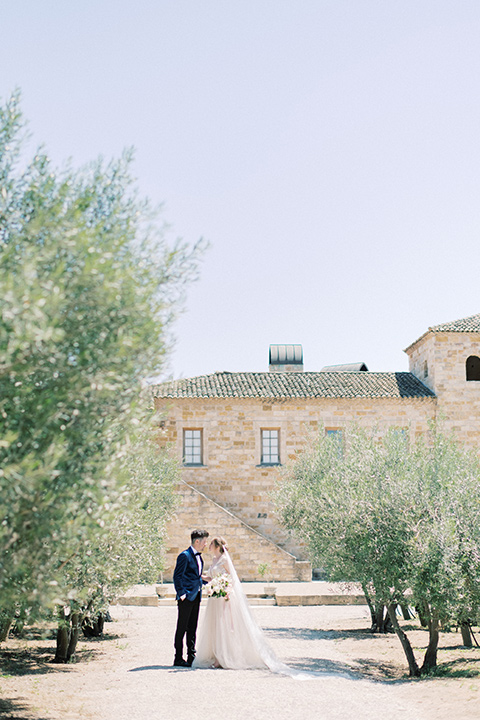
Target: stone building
{"type": "Point", "coordinates": [233, 431]}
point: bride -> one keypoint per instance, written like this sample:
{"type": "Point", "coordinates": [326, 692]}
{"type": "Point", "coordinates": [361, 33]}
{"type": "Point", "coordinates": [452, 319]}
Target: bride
{"type": "Point", "coordinates": [229, 637]}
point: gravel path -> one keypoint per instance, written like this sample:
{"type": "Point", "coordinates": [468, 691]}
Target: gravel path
{"type": "Point", "coordinates": [130, 676]}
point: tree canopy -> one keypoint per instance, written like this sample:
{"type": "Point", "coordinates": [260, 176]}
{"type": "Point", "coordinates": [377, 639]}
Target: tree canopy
{"type": "Point", "coordinates": [399, 517]}
{"type": "Point", "coordinates": [89, 289]}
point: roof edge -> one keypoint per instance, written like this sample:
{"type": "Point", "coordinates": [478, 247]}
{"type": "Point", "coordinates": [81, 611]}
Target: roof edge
{"type": "Point", "coordinates": [415, 342]}
{"type": "Point", "coordinates": [386, 384]}
{"type": "Point", "coordinates": [439, 330]}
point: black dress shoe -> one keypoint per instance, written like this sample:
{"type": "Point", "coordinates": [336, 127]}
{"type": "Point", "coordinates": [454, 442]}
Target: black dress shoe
{"type": "Point", "coordinates": [190, 661]}
{"type": "Point", "coordinates": [180, 663]}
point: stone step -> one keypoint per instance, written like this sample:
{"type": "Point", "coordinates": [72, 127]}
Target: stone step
{"type": "Point", "coordinates": [320, 600]}
{"type": "Point", "coordinates": [294, 593]}
{"type": "Point", "coordinates": [140, 600]}
{"type": "Point", "coordinates": [161, 602]}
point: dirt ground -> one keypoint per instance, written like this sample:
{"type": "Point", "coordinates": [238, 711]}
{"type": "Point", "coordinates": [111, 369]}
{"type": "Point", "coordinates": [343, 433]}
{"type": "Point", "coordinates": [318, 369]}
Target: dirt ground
{"type": "Point", "coordinates": [128, 674]}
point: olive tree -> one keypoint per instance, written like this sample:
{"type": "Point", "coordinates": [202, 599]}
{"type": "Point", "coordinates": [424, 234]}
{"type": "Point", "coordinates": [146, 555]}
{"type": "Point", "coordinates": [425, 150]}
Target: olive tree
{"type": "Point", "coordinates": [89, 289]}
{"type": "Point", "coordinates": [444, 555]}
{"type": "Point", "coordinates": [399, 518]}
{"type": "Point", "coordinates": [129, 549]}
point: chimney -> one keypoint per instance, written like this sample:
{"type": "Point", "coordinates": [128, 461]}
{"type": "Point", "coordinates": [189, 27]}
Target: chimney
{"type": "Point", "coordinates": [285, 358]}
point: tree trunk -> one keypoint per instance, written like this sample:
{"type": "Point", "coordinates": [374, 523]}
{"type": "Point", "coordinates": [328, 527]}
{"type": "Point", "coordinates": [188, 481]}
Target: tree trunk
{"type": "Point", "coordinates": [421, 616]}
{"type": "Point", "coordinates": [98, 625]}
{"type": "Point", "coordinates": [63, 637]}
{"type": "Point", "coordinates": [5, 625]}
{"type": "Point", "coordinates": [407, 615]}
{"type": "Point", "coordinates": [466, 635]}
{"type": "Point", "coordinates": [380, 619]}
{"type": "Point", "coordinates": [430, 659]}
{"type": "Point", "coordinates": [412, 663]}
{"type": "Point", "coordinates": [93, 627]}
{"type": "Point", "coordinates": [74, 632]}
{"type": "Point", "coordinates": [370, 607]}
{"type": "Point", "coordinates": [68, 630]}
{"type": "Point", "coordinates": [474, 638]}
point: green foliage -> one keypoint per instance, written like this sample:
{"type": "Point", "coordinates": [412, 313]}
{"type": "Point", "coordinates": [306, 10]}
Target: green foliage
{"type": "Point", "coordinates": [351, 508]}
{"type": "Point", "coordinates": [444, 557]}
{"type": "Point", "coordinates": [263, 569]}
{"type": "Point", "coordinates": [131, 547]}
{"type": "Point", "coordinates": [394, 516]}
{"type": "Point", "coordinates": [89, 289]}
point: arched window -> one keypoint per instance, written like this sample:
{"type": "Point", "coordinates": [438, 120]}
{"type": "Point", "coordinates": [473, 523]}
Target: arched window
{"type": "Point", "coordinates": [472, 367]}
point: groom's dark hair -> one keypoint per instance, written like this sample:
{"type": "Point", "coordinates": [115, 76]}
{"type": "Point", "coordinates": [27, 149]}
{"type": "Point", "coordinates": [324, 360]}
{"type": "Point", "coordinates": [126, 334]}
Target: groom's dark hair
{"type": "Point", "coordinates": [196, 534]}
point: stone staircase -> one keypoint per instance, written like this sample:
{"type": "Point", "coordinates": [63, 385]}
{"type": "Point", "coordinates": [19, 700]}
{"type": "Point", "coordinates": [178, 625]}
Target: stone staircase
{"type": "Point", "coordinates": [247, 546]}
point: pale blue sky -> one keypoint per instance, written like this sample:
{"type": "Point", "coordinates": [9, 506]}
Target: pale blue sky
{"type": "Point", "coordinates": [329, 150]}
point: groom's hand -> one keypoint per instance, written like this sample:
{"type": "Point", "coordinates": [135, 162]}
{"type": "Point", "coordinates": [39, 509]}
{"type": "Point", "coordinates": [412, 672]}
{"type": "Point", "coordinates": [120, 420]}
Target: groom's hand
{"type": "Point", "coordinates": [183, 597]}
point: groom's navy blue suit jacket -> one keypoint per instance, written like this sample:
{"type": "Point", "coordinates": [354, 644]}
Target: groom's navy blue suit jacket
{"type": "Point", "coordinates": [186, 577]}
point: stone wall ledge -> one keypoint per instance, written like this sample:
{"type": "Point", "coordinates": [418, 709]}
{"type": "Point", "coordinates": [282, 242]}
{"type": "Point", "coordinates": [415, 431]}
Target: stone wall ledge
{"type": "Point", "coordinates": [259, 593]}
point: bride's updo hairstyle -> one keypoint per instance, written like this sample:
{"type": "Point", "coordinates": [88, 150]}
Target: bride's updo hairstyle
{"type": "Point", "coordinates": [220, 543]}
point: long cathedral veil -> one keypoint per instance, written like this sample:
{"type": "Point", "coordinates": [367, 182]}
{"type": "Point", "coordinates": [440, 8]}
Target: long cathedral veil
{"type": "Point", "coordinates": [256, 634]}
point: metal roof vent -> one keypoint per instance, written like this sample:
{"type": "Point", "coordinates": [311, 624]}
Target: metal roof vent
{"type": "Point", "coordinates": [346, 367]}
{"type": "Point", "coordinates": [285, 358]}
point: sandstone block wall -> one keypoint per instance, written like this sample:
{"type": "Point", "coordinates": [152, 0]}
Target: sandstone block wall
{"type": "Point", "coordinates": [247, 547]}
{"type": "Point", "coordinates": [232, 474]}
{"type": "Point", "coordinates": [458, 400]}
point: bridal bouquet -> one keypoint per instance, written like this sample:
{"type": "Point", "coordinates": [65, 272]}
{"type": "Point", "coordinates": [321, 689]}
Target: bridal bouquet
{"type": "Point", "coordinates": [220, 586]}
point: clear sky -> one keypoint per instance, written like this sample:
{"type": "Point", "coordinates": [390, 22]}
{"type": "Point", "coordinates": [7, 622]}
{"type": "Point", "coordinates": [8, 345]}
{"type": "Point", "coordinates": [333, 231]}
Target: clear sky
{"type": "Point", "coordinates": [329, 150]}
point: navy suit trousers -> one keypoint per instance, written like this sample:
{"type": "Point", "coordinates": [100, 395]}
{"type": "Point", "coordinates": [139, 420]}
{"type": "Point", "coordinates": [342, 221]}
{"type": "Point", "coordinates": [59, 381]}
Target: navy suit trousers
{"type": "Point", "coordinates": [187, 622]}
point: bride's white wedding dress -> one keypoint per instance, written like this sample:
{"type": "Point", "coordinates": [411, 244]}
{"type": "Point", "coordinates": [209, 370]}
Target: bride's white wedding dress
{"type": "Point", "coordinates": [228, 636]}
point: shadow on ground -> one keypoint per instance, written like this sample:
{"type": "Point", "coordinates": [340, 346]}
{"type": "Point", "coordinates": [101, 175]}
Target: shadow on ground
{"type": "Point", "coordinates": [39, 660]}
{"type": "Point", "coordinates": [30, 661]}
{"type": "Point", "coordinates": [360, 669]}
{"type": "Point", "coordinates": [458, 668]}
{"type": "Point", "coordinates": [16, 710]}
{"type": "Point", "coordinates": [369, 668]}
{"type": "Point", "coordinates": [160, 667]}
{"type": "Point", "coordinates": [289, 633]}
{"type": "Point", "coordinates": [385, 672]}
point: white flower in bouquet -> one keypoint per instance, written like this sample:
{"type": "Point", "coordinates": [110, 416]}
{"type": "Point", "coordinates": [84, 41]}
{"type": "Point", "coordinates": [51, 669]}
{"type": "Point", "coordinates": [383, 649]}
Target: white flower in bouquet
{"type": "Point", "coordinates": [220, 586]}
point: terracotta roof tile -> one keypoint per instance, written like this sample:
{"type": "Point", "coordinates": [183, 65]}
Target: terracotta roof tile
{"type": "Point", "coordinates": [296, 385]}
{"type": "Point", "coordinates": [468, 324]}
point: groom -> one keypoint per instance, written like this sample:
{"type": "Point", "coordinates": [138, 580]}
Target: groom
{"type": "Point", "coordinates": [187, 578]}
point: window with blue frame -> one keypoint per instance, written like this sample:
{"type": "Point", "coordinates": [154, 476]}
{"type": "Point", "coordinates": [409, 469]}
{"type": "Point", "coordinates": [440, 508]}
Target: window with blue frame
{"type": "Point", "coordinates": [270, 447]}
{"type": "Point", "coordinates": [192, 447]}
{"type": "Point", "coordinates": [336, 435]}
